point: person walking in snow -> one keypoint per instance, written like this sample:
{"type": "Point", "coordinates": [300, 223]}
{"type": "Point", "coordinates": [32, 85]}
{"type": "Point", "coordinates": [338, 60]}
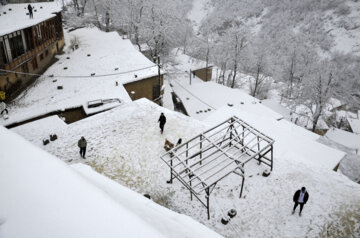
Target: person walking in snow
{"type": "Point", "coordinates": [3, 108]}
{"type": "Point", "coordinates": [82, 145]}
{"type": "Point", "coordinates": [162, 121]}
{"type": "Point", "coordinates": [30, 8]}
{"type": "Point", "coordinates": [300, 198]}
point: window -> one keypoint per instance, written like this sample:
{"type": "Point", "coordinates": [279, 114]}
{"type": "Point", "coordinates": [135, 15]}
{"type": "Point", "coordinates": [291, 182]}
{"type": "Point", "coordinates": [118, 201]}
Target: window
{"type": "Point", "coordinates": [41, 56]}
{"type": "Point", "coordinates": [16, 45]}
{"type": "Point", "coordinates": [34, 63]}
{"type": "Point", "coordinates": [156, 91]}
{"type": "Point", "coordinates": [3, 58]}
{"type": "Point", "coordinates": [29, 38]}
{"type": "Point", "coordinates": [46, 52]}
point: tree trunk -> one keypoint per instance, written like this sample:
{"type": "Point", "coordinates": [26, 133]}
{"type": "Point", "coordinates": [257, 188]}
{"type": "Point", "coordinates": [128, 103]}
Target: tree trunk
{"type": "Point", "coordinates": [107, 21]}
{"type": "Point", "coordinates": [256, 81]}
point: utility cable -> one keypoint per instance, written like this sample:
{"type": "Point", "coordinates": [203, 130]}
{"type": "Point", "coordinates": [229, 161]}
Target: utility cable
{"type": "Point", "coordinates": [77, 76]}
{"type": "Point", "coordinates": [194, 95]}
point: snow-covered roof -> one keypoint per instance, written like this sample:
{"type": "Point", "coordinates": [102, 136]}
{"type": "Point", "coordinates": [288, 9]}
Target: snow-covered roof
{"type": "Point", "coordinates": [107, 51]}
{"type": "Point", "coordinates": [100, 53]}
{"type": "Point", "coordinates": [213, 96]}
{"type": "Point", "coordinates": [16, 18]}
{"type": "Point", "coordinates": [345, 138]}
{"type": "Point", "coordinates": [277, 107]}
{"type": "Point", "coordinates": [355, 125]}
{"type": "Point", "coordinates": [46, 198]}
{"type": "Point", "coordinates": [125, 144]}
{"type": "Point", "coordinates": [291, 141]}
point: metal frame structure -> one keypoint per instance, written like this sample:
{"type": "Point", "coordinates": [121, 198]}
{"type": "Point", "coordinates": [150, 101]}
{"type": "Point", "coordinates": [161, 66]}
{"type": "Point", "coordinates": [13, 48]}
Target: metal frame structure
{"type": "Point", "coordinates": [201, 162]}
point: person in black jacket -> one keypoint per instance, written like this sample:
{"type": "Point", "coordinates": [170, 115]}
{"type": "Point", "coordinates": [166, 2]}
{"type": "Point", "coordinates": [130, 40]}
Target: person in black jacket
{"type": "Point", "coordinates": [82, 145]}
{"type": "Point", "coordinates": [162, 121]}
{"type": "Point", "coordinates": [300, 198]}
{"type": "Point", "coordinates": [30, 9]}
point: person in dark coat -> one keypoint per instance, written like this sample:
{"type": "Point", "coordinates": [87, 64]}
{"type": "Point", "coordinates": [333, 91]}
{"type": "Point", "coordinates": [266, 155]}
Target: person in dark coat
{"type": "Point", "coordinates": [3, 108]}
{"type": "Point", "coordinates": [162, 121]}
{"type": "Point", "coordinates": [30, 8]}
{"type": "Point", "coordinates": [300, 198]}
{"type": "Point", "coordinates": [82, 145]}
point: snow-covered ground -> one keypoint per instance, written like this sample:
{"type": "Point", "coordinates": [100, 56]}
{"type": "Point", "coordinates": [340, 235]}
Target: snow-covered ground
{"type": "Point", "coordinates": [114, 60]}
{"type": "Point", "coordinates": [125, 144]}
{"type": "Point", "coordinates": [345, 29]}
{"type": "Point", "coordinates": [199, 11]}
{"type": "Point", "coordinates": [43, 197]}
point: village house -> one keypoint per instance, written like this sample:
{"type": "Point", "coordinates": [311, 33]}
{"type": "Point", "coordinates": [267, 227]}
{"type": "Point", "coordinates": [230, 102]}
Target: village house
{"type": "Point", "coordinates": [27, 45]}
{"type": "Point", "coordinates": [203, 72]}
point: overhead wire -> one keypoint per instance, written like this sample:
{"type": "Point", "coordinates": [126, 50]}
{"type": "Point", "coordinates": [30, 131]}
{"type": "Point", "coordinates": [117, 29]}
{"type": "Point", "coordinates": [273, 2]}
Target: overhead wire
{"type": "Point", "coordinates": [77, 76]}
{"type": "Point", "coordinates": [194, 95]}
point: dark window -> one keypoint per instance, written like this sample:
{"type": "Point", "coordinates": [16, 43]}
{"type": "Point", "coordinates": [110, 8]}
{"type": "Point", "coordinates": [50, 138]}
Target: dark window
{"type": "Point", "coordinates": [34, 63]}
{"type": "Point", "coordinates": [156, 91]}
{"type": "Point", "coordinates": [41, 56]}
{"type": "Point", "coordinates": [3, 58]}
{"type": "Point", "coordinates": [58, 25]}
{"type": "Point", "coordinates": [16, 45]}
{"type": "Point", "coordinates": [29, 38]}
{"type": "Point", "coordinates": [46, 52]}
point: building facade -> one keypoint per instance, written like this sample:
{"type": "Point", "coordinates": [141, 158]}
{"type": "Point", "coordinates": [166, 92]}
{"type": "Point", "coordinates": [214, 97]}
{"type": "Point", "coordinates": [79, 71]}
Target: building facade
{"type": "Point", "coordinates": [29, 50]}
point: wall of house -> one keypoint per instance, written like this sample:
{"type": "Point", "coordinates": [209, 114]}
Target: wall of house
{"type": "Point", "coordinates": [143, 88]}
{"type": "Point", "coordinates": [201, 73]}
{"type": "Point", "coordinates": [42, 54]}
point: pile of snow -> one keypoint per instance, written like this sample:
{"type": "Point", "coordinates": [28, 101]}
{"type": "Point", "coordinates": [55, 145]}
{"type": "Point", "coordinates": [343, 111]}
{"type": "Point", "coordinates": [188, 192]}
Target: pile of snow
{"type": "Point", "coordinates": [16, 18]}
{"type": "Point", "coordinates": [114, 57]}
{"type": "Point", "coordinates": [46, 198]}
{"type": "Point", "coordinates": [125, 144]}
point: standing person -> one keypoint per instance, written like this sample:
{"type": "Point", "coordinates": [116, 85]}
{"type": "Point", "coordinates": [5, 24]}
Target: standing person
{"type": "Point", "coordinates": [30, 8]}
{"type": "Point", "coordinates": [178, 142]}
{"type": "Point", "coordinates": [162, 120]}
{"type": "Point", "coordinates": [300, 197]}
{"type": "Point", "coordinates": [3, 108]}
{"type": "Point", "coordinates": [82, 145]}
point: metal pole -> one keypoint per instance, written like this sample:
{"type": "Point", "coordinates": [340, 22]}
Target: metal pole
{"type": "Point", "coordinates": [190, 192]}
{"type": "Point", "coordinates": [159, 76]}
{"type": "Point", "coordinates": [271, 158]}
{"type": "Point", "coordinates": [171, 172]}
{"type": "Point", "coordinates": [200, 148]}
{"type": "Point", "coordinates": [242, 185]}
{"type": "Point", "coordinates": [208, 202]}
{"type": "Point", "coordinates": [190, 76]}
{"type": "Point", "coordinates": [258, 139]}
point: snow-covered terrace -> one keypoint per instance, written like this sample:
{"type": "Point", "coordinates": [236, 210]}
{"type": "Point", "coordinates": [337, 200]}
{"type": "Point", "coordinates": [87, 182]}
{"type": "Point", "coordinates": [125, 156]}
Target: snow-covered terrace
{"type": "Point", "coordinates": [43, 197]}
{"type": "Point", "coordinates": [16, 18]}
{"type": "Point", "coordinates": [106, 55]}
{"type": "Point", "coordinates": [125, 144]}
